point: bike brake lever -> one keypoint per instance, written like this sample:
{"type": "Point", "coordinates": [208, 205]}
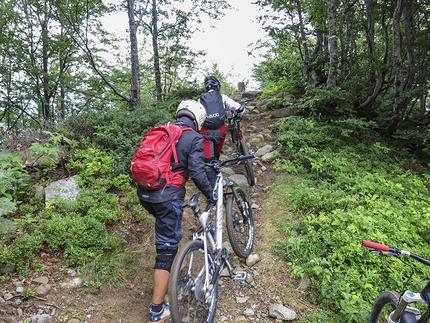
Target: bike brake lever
{"type": "Point", "coordinates": [386, 254]}
{"type": "Point", "coordinates": [375, 251]}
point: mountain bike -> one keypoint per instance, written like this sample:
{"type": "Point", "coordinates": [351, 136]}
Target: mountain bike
{"type": "Point", "coordinates": [193, 284]}
{"type": "Point", "coordinates": [241, 145]}
{"type": "Point", "coordinates": [393, 307]}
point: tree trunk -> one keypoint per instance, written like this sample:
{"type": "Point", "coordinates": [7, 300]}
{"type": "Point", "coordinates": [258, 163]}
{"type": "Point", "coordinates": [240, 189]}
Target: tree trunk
{"type": "Point", "coordinates": [306, 69]}
{"type": "Point", "coordinates": [157, 71]}
{"type": "Point", "coordinates": [332, 44]}
{"type": "Point", "coordinates": [135, 100]}
{"type": "Point", "coordinates": [45, 78]}
{"type": "Point", "coordinates": [403, 79]}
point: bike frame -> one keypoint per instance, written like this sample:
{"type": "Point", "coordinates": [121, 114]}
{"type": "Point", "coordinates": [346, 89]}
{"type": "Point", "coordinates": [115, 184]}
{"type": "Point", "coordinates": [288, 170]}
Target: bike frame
{"type": "Point", "coordinates": [213, 240]}
{"type": "Point", "coordinates": [407, 298]}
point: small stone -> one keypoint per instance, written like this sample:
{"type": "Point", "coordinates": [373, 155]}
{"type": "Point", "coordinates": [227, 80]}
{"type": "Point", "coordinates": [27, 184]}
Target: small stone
{"type": "Point", "coordinates": [248, 312]}
{"type": "Point", "coordinates": [241, 300]}
{"type": "Point", "coordinates": [304, 284]}
{"type": "Point", "coordinates": [42, 290]}
{"type": "Point", "coordinates": [281, 312]}
{"type": "Point", "coordinates": [7, 296]}
{"type": "Point", "coordinates": [252, 260]}
{"type": "Point", "coordinates": [41, 280]}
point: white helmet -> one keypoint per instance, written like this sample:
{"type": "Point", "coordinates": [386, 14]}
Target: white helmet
{"type": "Point", "coordinates": [193, 110]}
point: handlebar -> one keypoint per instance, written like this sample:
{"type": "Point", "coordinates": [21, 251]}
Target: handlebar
{"type": "Point", "coordinates": [245, 101]}
{"type": "Point", "coordinates": [234, 115]}
{"type": "Point", "coordinates": [381, 247]}
{"type": "Point", "coordinates": [217, 164]}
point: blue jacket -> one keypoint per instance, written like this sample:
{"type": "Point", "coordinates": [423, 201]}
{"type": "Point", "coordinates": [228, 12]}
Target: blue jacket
{"type": "Point", "coordinates": [191, 159]}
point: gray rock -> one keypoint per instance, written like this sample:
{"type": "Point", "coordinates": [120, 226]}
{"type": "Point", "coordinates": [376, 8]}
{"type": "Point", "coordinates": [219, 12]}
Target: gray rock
{"type": "Point", "coordinates": [305, 282]}
{"type": "Point", "coordinates": [239, 180]}
{"type": "Point", "coordinates": [281, 312]}
{"type": "Point", "coordinates": [241, 300]}
{"type": "Point", "coordinates": [248, 312]}
{"type": "Point", "coordinates": [252, 260]}
{"type": "Point", "coordinates": [41, 280]}
{"type": "Point", "coordinates": [67, 189]}
{"type": "Point", "coordinates": [263, 150]}
{"type": "Point", "coordinates": [39, 191]}
{"type": "Point", "coordinates": [267, 157]}
{"type": "Point", "coordinates": [41, 318]}
{"type": "Point", "coordinates": [42, 290]}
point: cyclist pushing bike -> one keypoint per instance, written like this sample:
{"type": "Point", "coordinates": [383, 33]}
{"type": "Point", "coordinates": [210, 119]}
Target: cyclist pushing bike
{"type": "Point", "coordinates": [166, 203]}
{"type": "Point", "coordinates": [214, 129]}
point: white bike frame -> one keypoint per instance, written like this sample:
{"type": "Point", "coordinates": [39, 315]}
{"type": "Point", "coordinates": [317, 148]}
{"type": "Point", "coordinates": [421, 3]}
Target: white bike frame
{"type": "Point", "coordinates": [215, 240]}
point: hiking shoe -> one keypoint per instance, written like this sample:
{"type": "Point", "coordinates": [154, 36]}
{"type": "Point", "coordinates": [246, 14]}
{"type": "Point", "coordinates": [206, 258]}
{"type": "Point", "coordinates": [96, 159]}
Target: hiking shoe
{"type": "Point", "coordinates": [161, 316]}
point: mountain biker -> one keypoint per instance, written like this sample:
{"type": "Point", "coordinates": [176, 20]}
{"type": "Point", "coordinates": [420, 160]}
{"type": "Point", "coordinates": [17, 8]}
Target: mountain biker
{"type": "Point", "coordinates": [165, 204]}
{"type": "Point", "coordinates": [214, 129]}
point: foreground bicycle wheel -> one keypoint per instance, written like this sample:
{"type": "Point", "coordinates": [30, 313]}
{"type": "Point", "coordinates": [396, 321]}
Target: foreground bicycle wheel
{"type": "Point", "coordinates": [189, 301]}
{"type": "Point", "coordinates": [244, 150]}
{"type": "Point", "coordinates": [383, 306]}
{"type": "Point", "coordinates": [240, 223]}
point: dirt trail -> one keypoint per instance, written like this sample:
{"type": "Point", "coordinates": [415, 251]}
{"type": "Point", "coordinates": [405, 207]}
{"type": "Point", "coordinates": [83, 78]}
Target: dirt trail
{"type": "Point", "coordinates": [238, 302]}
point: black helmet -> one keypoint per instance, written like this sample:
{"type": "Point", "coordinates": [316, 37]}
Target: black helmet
{"type": "Point", "coordinates": [211, 82]}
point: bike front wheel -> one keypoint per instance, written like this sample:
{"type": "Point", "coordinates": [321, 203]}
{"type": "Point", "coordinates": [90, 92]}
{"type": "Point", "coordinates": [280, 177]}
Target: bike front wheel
{"type": "Point", "coordinates": [249, 168]}
{"type": "Point", "coordinates": [240, 223]}
{"type": "Point", "coordinates": [191, 299]}
{"type": "Point", "coordinates": [386, 303]}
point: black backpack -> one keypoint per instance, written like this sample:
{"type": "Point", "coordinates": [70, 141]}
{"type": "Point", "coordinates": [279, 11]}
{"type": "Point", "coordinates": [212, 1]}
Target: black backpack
{"type": "Point", "coordinates": [213, 103]}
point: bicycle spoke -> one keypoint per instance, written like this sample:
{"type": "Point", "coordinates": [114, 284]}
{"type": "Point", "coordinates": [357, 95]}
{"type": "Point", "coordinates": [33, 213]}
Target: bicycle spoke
{"type": "Point", "coordinates": [191, 301]}
{"type": "Point", "coordinates": [240, 224]}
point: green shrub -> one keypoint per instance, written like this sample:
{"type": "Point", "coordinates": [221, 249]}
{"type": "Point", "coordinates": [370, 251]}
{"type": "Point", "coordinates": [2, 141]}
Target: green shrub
{"type": "Point", "coordinates": [120, 132]}
{"type": "Point", "coordinates": [80, 238]}
{"type": "Point", "coordinates": [348, 191]}
{"type": "Point", "coordinates": [12, 180]}
{"type": "Point", "coordinates": [22, 252]}
{"type": "Point", "coordinates": [90, 163]}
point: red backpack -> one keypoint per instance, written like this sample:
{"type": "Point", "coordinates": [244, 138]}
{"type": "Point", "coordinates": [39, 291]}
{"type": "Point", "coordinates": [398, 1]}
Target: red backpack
{"type": "Point", "coordinates": [150, 167]}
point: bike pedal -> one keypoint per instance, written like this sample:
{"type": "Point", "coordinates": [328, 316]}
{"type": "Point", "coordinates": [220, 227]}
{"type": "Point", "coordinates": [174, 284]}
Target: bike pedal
{"type": "Point", "coordinates": [240, 276]}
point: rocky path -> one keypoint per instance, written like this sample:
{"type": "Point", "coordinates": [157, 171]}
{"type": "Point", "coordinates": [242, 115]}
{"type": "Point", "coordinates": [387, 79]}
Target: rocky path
{"type": "Point", "coordinates": [65, 296]}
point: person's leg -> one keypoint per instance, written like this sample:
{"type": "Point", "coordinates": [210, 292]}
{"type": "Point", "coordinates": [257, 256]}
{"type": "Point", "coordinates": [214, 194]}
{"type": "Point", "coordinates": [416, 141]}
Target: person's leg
{"type": "Point", "coordinates": [222, 132]}
{"type": "Point", "coordinates": [208, 144]}
{"type": "Point", "coordinates": [168, 234]}
{"type": "Point", "coordinates": [161, 281]}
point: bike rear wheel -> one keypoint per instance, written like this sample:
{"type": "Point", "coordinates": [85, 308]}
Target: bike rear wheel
{"type": "Point", "coordinates": [190, 301]}
{"type": "Point", "coordinates": [240, 223]}
{"type": "Point", "coordinates": [386, 303]}
{"type": "Point", "coordinates": [244, 150]}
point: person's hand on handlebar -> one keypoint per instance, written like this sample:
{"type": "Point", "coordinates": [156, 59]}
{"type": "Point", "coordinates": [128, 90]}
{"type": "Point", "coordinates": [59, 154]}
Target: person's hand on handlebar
{"type": "Point", "coordinates": [240, 111]}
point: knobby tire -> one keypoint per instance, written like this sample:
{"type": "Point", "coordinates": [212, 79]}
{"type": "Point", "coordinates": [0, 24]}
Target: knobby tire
{"type": "Point", "coordinates": [189, 302]}
{"type": "Point", "coordinates": [244, 150]}
{"type": "Point", "coordinates": [386, 303]}
{"type": "Point", "coordinates": [240, 223]}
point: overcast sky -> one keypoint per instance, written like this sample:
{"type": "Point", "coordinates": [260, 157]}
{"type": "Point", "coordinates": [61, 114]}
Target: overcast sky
{"type": "Point", "coordinates": [226, 41]}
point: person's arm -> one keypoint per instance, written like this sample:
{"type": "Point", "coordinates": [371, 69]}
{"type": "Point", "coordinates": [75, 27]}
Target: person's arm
{"type": "Point", "coordinates": [196, 167]}
{"type": "Point", "coordinates": [233, 105]}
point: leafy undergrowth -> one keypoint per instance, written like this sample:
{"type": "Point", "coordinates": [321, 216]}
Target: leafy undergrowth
{"type": "Point", "coordinates": [348, 185]}
{"type": "Point", "coordinates": [336, 184]}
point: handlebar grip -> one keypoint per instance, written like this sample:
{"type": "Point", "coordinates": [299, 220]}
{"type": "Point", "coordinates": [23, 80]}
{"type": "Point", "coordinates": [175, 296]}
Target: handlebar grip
{"type": "Point", "coordinates": [375, 245]}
